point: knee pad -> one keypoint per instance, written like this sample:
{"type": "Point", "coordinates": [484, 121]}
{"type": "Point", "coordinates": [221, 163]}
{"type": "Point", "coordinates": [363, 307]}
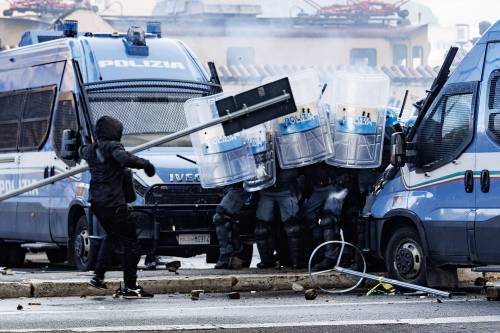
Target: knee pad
{"type": "Point", "coordinates": [220, 218]}
{"type": "Point", "coordinates": [262, 230]}
{"type": "Point", "coordinates": [292, 227]}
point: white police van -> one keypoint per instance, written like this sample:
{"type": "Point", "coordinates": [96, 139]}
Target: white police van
{"type": "Point", "coordinates": [440, 208]}
{"type": "Point", "coordinates": [46, 86]}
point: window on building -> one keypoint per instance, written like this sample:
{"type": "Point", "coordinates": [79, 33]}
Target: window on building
{"type": "Point", "coordinates": [364, 57]}
{"type": "Point", "coordinates": [400, 55]}
{"type": "Point", "coordinates": [240, 56]}
{"type": "Point", "coordinates": [417, 56]}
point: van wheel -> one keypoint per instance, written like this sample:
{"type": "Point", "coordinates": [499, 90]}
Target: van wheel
{"type": "Point", "coordinates": [84, 254]}
{"type": "Point", "coordinates": [57, 256]}
{"type": "Point", "coordinates": [404, 257]}
{"type": "Point", "coordinates": [212, 256]}
{"type": "Point", "coordinates": [11, 255]}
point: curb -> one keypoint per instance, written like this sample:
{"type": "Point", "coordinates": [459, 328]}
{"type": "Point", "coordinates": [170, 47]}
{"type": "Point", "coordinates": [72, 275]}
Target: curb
{"type": "Point", "coordinates": [175, 284]}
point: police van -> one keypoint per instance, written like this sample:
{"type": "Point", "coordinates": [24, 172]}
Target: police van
{"type": "Point", "coordinates": [439, 208]}
{"type": "Point", "coordinates": [65, 80]}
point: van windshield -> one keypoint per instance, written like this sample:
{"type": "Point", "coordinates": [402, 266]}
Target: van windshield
{"type": "Point", "coordinates": [147, 109]}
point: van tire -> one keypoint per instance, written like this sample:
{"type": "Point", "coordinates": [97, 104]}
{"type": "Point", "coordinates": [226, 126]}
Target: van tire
{"type": "Point", "coordinates": [12, 255]}
{"type": "Point", "coordinates": [404, 257]}
{"type": "Point", "coordinates": [84, 254]}
{"type": "Point", "coordinates": [212, 256]}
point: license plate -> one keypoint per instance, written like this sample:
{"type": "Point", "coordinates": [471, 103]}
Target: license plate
{"type": "Point", "coordinates": [194, 239]}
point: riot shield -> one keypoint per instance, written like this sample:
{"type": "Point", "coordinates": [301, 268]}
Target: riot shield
{"type": "Point", "coordinates": [358, 103]}
{"type": "Point", "coordinates": [259, 140]}
{"type": "Point", "coordinates": [303, 137]}
{"type": "Point", "coordinates": [222, 160]}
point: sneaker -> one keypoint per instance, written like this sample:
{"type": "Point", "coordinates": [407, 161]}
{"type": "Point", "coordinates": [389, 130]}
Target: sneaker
{"type": "Point", "coordinates": [135, 293]}
{"type": "Point", "coordinates": [98, 283]}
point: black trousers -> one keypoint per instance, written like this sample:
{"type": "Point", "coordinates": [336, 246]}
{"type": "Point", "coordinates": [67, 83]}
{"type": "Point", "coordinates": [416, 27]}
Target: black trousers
{"type": "Point", "coordinates": [120, 237]}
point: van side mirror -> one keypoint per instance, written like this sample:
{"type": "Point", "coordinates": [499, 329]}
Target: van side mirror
{"type": "Point", "coordinates": [70, 145]}
{"type": "Point", "coordinates": [398, 149]}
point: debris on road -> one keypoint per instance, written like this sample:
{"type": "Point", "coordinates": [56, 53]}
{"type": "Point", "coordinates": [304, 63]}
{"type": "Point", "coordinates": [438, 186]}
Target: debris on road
{"type": "Point", "coordinates": [234, 295]}
{"type": "Point", "coordinates": [493, 293]}
{"type": "Point", "coordinates": [34, 303]}
{"type": "Point", "coordinates": [310, 294]}
{"type": "Point", "coordinates": [297, 287]}
{"type": "Point", "coordinates": [195, 294]}
{"type": "Point", "coordinates": [19, 307]}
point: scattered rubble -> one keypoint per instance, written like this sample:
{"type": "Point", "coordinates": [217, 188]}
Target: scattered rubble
{"type": "Point", "coordinates": [310, 294]}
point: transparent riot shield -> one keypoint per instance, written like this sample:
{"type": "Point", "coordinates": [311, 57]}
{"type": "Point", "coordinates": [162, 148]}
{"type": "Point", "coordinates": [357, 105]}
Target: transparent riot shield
{"type": "Point", "coordinates": [358, 105]}
{"type": "Point", "coordinates": [259, 140]}
{"type": "Point", "coordinates": [303, 137]}
{"type": "Point", "coordinates": [222, 160]}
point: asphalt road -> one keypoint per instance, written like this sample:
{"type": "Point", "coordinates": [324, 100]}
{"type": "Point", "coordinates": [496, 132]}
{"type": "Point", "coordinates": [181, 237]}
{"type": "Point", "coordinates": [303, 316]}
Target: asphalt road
{"type": "Point", "coordinates": [257, 312]}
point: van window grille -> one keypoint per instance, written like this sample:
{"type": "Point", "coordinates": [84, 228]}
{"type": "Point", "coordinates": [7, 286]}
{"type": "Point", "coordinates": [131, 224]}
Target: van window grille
{"type": "Point", "coordinates": [494, 106]}
{"type": "Point", "coordinates": [447, 130]}
{"type": "Point", "coordinates": [145, 107]}
{"type": "Point", "coordinates": [494, 98]}
{"type": "Point", "coordinates": [64, 118]}
{"type": "Point", "coordinates": [36, 117]}
{"type": "Point", "coordinates": [8, 136]}
{"type": "Point", "coordinates": [11, 106]}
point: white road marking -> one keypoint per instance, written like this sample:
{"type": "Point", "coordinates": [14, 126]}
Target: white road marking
{"type": "Point", "coordinates": [146, 328]}
{"type": "Point", "coordinates": [230, 306]}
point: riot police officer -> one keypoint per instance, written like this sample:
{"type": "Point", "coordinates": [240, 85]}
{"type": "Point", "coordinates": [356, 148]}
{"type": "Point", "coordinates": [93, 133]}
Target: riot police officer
{"type": "Point", "coordinates": [227, 227]}
{"type": "Point", "coordinates": [283, 196]}
{"type": "Point", "coordinates": [322, 210]}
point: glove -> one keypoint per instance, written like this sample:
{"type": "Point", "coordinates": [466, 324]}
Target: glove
{"type": "Point", "coordinates": [149, 169]}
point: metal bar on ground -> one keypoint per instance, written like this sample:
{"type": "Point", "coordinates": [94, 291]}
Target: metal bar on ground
{"type": "Point", "coordinates": [393, 282]}
{"type": "Point", "coordinates": [151, 144]}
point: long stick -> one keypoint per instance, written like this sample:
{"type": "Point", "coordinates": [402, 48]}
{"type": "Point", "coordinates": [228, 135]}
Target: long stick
{"type": "Point", "coordinates": [393, 282]}
{"type": "Point", "coordinates": [154, 143]}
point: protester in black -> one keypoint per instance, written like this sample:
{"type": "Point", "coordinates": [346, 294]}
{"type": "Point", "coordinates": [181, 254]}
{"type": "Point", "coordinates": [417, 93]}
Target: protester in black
{"type": "Point", "coordinates": [108, 162]}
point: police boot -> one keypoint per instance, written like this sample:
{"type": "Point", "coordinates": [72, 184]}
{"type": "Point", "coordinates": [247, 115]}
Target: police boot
{"type": "Point", "coordinates": [223, 232]}
{"type": "Point", "coordinates": [331, 232]}
{"type": "Point", "coordinates": [235, 261]}
{"type": "Point", "coordinates": [295, 251]}
{"type": "Point", "coordinates": [265, 244]}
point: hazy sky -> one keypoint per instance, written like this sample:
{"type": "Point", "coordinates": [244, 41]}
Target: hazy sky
{"type": "Point", "coordinates": [451, 12]}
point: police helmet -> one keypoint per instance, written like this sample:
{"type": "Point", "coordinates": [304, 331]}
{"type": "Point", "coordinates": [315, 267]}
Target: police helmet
{"type": "Point", "coordinates": [391, 117]}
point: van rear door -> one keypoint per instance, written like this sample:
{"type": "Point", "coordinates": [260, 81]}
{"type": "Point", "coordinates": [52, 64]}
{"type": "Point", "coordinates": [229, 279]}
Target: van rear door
{"type": "Point", "coordinates": [487, 225]}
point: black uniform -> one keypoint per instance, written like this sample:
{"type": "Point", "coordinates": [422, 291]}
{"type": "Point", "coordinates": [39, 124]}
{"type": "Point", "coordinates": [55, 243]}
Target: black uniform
{"type": "Point", "coordinates": [283, 196]}
{"type": "Point", "coordinates": [227, 227]}
{"type": "Point", "coordinates": [108, 162]}
{"type": "Point", "coordinates": [322, 210]}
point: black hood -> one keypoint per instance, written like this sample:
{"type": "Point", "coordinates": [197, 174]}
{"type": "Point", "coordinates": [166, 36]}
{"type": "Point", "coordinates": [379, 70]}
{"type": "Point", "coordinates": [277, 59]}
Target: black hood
{"type": "Point", "coordinates": [108, 129]}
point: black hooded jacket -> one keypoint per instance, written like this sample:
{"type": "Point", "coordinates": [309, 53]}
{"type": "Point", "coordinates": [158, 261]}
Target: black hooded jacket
{"type": "Point", "coordinates": [107, 162]}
